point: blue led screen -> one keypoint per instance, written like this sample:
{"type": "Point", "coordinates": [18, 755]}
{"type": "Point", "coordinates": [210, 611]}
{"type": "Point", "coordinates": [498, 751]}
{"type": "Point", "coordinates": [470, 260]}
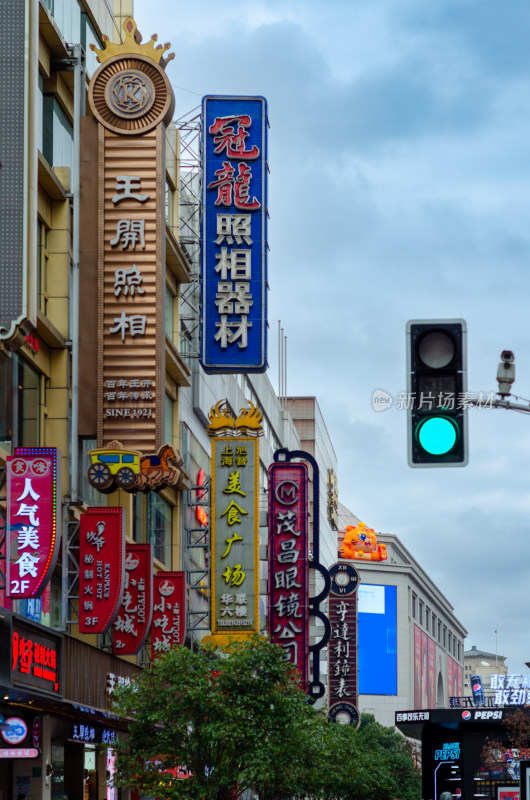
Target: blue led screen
{"type": "Point", "coordinates": [377, 639]}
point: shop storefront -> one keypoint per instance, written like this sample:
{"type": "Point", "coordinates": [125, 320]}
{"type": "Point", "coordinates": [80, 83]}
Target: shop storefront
{"type": "Point", "coordinates": [452, 743]}
{"type": "Point", "coordinates": [57, 724]}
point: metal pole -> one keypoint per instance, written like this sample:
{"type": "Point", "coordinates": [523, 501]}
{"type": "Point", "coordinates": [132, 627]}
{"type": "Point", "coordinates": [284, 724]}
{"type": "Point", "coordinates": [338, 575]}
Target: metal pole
{"type": "Point", "coordinates": [79, 102]}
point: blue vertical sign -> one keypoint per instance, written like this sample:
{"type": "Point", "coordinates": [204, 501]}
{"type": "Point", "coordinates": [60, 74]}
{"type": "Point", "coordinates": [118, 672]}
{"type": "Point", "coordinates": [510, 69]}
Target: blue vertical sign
{"type": "Point", "coordinates": [234, 234]}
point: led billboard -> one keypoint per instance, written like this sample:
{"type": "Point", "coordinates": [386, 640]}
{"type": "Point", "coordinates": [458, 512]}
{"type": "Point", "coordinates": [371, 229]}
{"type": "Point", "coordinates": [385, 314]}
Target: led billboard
{"type": "Point", "coordinates": [377, 639]}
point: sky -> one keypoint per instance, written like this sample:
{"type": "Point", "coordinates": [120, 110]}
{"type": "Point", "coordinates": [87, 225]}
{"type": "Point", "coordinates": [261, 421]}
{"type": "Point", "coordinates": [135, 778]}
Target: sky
{"type": "Point", "coordinates": [399, 188]}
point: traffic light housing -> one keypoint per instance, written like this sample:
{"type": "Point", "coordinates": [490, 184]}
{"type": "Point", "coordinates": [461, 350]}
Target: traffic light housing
{"type": "Point", "coordinates": [436, 386]}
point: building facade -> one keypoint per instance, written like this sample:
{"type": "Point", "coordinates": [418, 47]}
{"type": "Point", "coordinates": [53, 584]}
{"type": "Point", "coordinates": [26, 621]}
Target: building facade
{"type": "Point", "coordinates": [410, 643]}
{"type": "Point", "coordinates": [480, 662]}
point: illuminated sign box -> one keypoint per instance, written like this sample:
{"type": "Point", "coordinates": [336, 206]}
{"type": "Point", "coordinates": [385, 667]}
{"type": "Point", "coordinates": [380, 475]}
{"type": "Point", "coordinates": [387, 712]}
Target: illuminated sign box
{"type": "Point", "coordinates": [234, 235]}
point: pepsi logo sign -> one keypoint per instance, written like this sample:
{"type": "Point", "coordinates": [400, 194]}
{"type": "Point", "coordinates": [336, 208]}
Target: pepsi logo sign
{"type": "Point", "coordinates": [466, 715]}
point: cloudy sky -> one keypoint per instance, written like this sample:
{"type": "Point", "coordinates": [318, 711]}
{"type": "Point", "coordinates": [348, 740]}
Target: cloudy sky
{"type": "Point", "coordinates": [399, 153]}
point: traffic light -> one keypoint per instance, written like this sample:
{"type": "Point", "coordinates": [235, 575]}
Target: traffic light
{"type": "Point", "coordinates": [436, 385]}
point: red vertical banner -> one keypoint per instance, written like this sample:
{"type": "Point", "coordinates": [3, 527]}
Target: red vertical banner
{"type": "Point", "coordinates": [288, 563]}
{"type": "Point", "coordinates": [417, 667]}
{"type": "Point", "coordinates": [133, 622]}
{"type": "Point", "coordinates": [101, 568]}
{"type": "Point", "coordinates": [168, 627]}
{"type": "Point", "coordinates": [33, 529]}
{"type": "Point", "coordinates": [431, 648]}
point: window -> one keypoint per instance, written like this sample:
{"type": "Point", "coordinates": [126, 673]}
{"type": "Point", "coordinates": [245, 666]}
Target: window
{"type": "Point", "coordinates": [57, 142]}
{"type": "Point", "coordinates": [434, 624]}
{"type": "Point", "coordinates": [67, 15]}
{"type": "Point", "coordinates": [168, 408]}
{"type": "Point", "coordinates": [439, 631]}
{"type": "Point", "coordinates": [28, 404]}
{"type": "Point", "coordinates": [414, 598]}
{"type": "Point", "coordinates": [427, 618]}
{"type": "Point", "coordinates": [444, 636]}
{"type": "Point", "coordinates": [421, 612]}
{"type": "Point", "coordinates": [170, 297]}
{"type": "Point", "coordinates": [152, 524]}
{"type": "Point", "coordinates": [88, 37]}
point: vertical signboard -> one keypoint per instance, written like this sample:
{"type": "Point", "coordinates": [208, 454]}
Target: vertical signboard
{"type": "Point", "coordinates": [131, 98]}
{"type": "Point", "coordinates": [235, 536]}
{"type": "Point", "coordinates": [342, 645]}
{"type": "Point", "coordinates": [133, 622]}
{"type": "Point", "coordinates": [101, 568]}
{"type": "Point", "coordinates": [33, 519]}
{"type": "Point", "coordinates": [288, 563]}
{"type": "Point", "coordinates": [168, 627]}
{"type": "Point", "coordinates": [234, 234]}
{"type": "Point", "coordinates": [18, 169]}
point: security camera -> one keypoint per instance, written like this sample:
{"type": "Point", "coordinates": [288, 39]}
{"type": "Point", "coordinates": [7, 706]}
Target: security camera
{"type": "Point", "coordinates": [506, 372]}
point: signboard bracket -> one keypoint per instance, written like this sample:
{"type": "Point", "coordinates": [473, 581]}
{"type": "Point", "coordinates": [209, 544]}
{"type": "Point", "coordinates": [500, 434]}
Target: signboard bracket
{"type": "Point", "coordinates": [70, 568]}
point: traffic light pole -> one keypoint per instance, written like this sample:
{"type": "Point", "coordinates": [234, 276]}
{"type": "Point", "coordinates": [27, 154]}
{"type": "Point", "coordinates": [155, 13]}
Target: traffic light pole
{"type": "Point", "coordinates": [498, 402]}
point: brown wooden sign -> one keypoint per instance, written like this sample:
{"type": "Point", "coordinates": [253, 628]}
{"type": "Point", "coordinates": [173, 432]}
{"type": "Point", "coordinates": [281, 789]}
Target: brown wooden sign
{"type": "Point", "coordinates": [132, 100]}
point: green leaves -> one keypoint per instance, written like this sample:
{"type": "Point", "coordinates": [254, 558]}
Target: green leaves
{"type": "Point", "coordinates": [237, 719]}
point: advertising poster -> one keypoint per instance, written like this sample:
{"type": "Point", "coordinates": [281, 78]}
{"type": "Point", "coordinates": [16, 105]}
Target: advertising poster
{"type": "Point", "coordinates": [431, 683]}
{"type": "Point", "coordinates": [377, 633]}
{"type": "Point", "coordinates": [417, 667]}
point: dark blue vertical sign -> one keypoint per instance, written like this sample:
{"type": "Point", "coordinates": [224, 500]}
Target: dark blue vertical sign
{"type": "Point", "coordinates": [234, 234]}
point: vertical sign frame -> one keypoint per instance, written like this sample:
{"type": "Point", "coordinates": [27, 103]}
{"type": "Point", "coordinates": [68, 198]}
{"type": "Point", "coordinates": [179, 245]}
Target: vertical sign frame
{"type": "Point", "coordinates": [33, 519]}
{"type": "Point", "coordinates": [288, 563]}
{"type": "Point", "coordinates": [133, 622]}
{"type": "Point", "coordinates": [235, 536]}
{"type": "Point", "coordinates": [101, 567]}
{"type": "Point", "coordinates": [234, 234]}
{"type": "Point", "coordinates": [342, 646]}
{"type": "Point", "coordinates": [168, 626]}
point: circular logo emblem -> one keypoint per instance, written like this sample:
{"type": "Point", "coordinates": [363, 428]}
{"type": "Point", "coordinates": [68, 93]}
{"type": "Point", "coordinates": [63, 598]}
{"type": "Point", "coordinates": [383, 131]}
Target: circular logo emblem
{"type": "Point", "coordinates": [344, 579]}
{"type": "Point", "coordinates": [18, 467]}
{"type": "Point", "coordinates": [466, 715]}
{"type": "Point", "coordinates": [130, 94]}
{"type": "Point", "coordinates": [167, 588]}
{"type": "Point", "coordinates": [17, 731]}
{"type": "Point", "coordinates": [344, 714]}
{"type": "Point", "coordinates": [287, 493]}
{"type": "Point", "coordinates": [39, 466]}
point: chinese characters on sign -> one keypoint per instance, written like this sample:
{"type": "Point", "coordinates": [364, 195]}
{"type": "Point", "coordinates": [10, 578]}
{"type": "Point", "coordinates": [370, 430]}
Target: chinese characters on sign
{"type": "Point", "coordinates": [35, 659]}
{"type": "Point", "coordinates": [288, 563]}
{"type": "Point", "coordinates": [235, 531]}
{"type": "Point", "coordinates": [101, 568]}
{"type": "Point", "coordinates": [33, 519]}
{"type": "Point", "coordinates": [130, 330]}
{"type": "Point", "coordinates": [168, 627]}
{"type": "Point", "coordinates": [133, 622]}
{"type": "Point", "coordinates": [234, 272]}
{"type": "Point", "coordinates": [342, 645]}
{"type": "Point", "coordinates": [511, 689]}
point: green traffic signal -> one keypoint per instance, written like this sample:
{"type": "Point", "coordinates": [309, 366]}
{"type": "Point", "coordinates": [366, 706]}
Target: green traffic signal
{"type": "Point", "coordinates": [437, 435]}
{"type": "Point", "coordinates": [437, 385]}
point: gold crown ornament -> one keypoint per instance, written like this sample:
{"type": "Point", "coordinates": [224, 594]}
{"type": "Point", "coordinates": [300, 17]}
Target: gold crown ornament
{"type": "Point", "coordinates": [132, 46]}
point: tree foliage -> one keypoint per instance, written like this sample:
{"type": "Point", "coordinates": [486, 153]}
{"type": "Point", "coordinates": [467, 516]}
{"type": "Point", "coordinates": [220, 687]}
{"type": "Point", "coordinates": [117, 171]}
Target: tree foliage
{"type": "Point", "coordinates": [236, 719]}
{"type": "Point", "coordinates": [516, 738]}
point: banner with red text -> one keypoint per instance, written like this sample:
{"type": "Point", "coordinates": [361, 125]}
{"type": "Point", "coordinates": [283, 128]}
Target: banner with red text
{"type": "Point", "coordinates": [168, 627]}
{"type": "Point", "coordinates": [133, 622]}
{"type": "Point", "coordinates": [33, 519]}
{"type": "Point", "coordinates": [101, 568]}
{"type": "Point", "coordinates": [288, 564]}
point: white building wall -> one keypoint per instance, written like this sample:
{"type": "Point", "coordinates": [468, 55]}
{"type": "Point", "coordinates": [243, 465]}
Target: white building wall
{"type": "Point", "coordinates": [404, 572]}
